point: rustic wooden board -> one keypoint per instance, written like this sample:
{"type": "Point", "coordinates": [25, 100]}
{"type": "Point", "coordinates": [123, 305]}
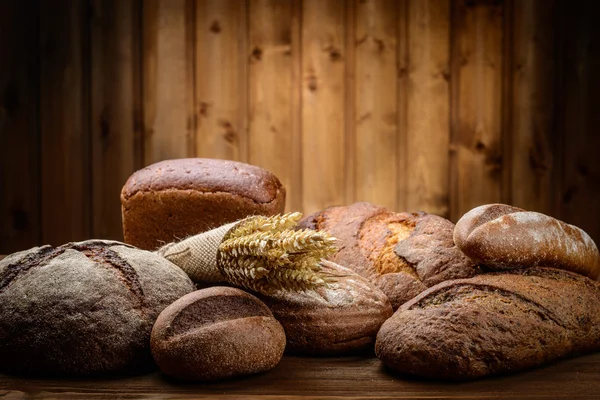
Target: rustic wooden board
{"type": "Point", "coordinates": [376, 98]}
{"type": "Point", "coordinates": [477, 60]}
{"type": "Point", "coordinates": [272, 138]}
{"type": "Point", "coordinates": [167, 88]}
{"type": "Point", "coordinates": [532, 124]}
{"type": "Point", "coordinates": [115, 109]}
{"type": "Point", "coordinates": [64, 123]}
{"type": "Point", "coordinates": [580, 195]}
{"type": "Point", "coordinates": [428, 107]}
{"type": "Point", "coordinates": [323, 87]}
{"type": "Point", "coordinates": [19, 148]}
{"type": "Point", "coordinates": [327, 378]}
{"type": "Point", "coordinates": [488, 94]}
{"type": "Point", "coordinates": [220, 79]}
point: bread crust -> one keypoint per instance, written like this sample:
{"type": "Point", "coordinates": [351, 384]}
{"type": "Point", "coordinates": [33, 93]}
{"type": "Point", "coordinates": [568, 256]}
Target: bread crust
{"type": "Point", "coordinates": [493, 323]}
{"type": "Point", "coordinates": [84, 308]}
{"type": "Point", "coordinates": [205, 175]}
{"type": "Point", "coordinates": [216, 333]}
{"type": "Point", "coordinates": [401, 253]}
{"type": "Point", "coordinates": [341, 318]}
{"type": "Point", "coordinates": [504, 237]}
{"type": "Point", "coordinates": [174, 199]}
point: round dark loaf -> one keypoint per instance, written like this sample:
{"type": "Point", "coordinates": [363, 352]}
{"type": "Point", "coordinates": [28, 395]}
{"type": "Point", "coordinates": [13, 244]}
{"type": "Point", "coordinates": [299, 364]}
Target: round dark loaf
{"type": "Point", "coordinates": [500, 237]}
{"type": "Point", "coordinates": [401, 253]}
{"type": "Point", "coordinates": [493, 323]}
{"type": "Point", "coordinates": [216, 333]}
{"type": "Point", "coordinates": [341, 318]}
{"type": "Point", "coordinates": [83, 308]}
{"type": "Point", "coordinates": [173, 199]}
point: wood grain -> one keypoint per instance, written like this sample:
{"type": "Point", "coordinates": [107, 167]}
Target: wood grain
{"type": "Point", "coordinates": [221, 79]}
{"type": "Point", "coordinates": [376, 105]}
{"type": "Point", "coordinates": [167, 89]}
{"type": "Point", "coordinates": [468, 102]}
{"type": "Point", "coordinates": [327, 378]}
{"type": "Point", "coordinates": [323, 69]}
{"type": "Point", "coordinates": [477, 62]}
{"type": "Point", "coordinates": [19, 148]}
{"type": "Point", "coordinates": [402, 154]}
{"type": "Point", "coordinates": [532, 123]}
{"type": "Point", "coordinates": [114, 113]}
{"type": "Point", "coordinates": [580, 140]}
{"type": "Point", "coordinates": [428, 114]}
{"type": "Point", "coordinates": [350, 148]}
{"type": "Point", "coordinates": [271, 139]}
{"type": "Point", "coordinates": [64, 127]}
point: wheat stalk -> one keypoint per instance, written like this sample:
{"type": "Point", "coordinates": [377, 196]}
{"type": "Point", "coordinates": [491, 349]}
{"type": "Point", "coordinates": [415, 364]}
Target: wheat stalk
{"type": "Point", "coordinates": [261, 223]}
{"type": "Point", "coordinates": [266, 254]}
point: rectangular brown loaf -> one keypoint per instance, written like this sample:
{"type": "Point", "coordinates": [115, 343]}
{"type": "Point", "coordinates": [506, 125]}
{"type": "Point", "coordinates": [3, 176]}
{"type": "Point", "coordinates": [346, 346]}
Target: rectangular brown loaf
{"type": "Point", "coordinates": [173, 199]}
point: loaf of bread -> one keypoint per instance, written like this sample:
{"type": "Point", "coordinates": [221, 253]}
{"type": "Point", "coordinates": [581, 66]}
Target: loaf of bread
{"type": "Point", "coordinates": [174, 199]}
{"type": "Point", "coordinates": [401, 253]}
{"type": "Point", "coordinates": [340, 318]}
{"type": "Point", "coordinates": [83, 308]}
{"type": "Point", "coordinates": [492, 324]}
{"type": "Point", "coordinates": [501, 237]}
{"type": "Point", "coordinates": [216, 333]}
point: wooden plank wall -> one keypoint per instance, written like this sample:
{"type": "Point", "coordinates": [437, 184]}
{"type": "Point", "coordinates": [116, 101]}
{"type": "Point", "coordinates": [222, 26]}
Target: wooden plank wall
{"type": "Point", "coordinates": [434, 105]}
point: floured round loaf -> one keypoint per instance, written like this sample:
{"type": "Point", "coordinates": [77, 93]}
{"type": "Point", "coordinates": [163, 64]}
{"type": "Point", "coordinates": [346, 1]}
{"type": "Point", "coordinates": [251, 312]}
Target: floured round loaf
{"type": "Point", "coordinates": [401, 253]}
{"type": "Point", "coordinates": [173, 199]}
{"type": "Point", "coordinates": [341, 318]}
{"type": "Point", "coordinates": [216, 333]}
{"type": "Point", "coordinates": [83, 308]}
{"type": "Point", "coordinates": [493, 323]}
{"type": "Point", "coordinates": [500, 237]}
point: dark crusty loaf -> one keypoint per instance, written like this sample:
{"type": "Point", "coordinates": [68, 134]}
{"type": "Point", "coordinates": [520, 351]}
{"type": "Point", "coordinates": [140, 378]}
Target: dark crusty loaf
{"type": "Point", "coordinates": [341, 318]}
{"type": "Point", "coordinates": [493, 323]}
{"type": "Point", "coordinates": [173, 199]}
{"type": "Point", "coordinates": [216, 333]}
{"type": "Point", "coordinates": [503, 237]}
{"type": "Point", "coordinates": [402, 253]}
{"type": "Point", "coordinates": [83, 308]}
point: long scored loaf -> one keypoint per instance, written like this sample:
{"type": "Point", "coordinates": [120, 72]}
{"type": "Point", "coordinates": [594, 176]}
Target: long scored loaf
{"type": "Point", "coordinates": [493, 323]}
{"type": "Point", "coordinates": [503, 237]}
{"type": "Point", "coordinates": [401, 253]}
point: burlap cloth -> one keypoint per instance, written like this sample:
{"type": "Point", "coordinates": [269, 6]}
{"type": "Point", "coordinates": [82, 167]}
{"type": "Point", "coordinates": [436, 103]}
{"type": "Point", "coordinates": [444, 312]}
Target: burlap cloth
{"type": "Point", "coordinates": [198, 254]}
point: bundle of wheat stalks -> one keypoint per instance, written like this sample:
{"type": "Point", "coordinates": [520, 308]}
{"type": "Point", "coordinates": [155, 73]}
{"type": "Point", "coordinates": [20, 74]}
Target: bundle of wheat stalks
{"type": "Point", "coordinates": [263, 254]}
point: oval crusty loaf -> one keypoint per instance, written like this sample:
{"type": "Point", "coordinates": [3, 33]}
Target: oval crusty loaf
{"type": "Point", "coordinates": [401, 253]}
{"type": "Point", "coordinates": [341, 318]}
{"type": "Point", "coordinates": [83, 308]}
{"type": "Point", "coordinates": [216, 333]}
{"type": "Point", "coordinates": [493, 323]}
{"type": "Point", "coordinates": [173, 199]}
{"type": "Point", "coordinates": [503, 237]}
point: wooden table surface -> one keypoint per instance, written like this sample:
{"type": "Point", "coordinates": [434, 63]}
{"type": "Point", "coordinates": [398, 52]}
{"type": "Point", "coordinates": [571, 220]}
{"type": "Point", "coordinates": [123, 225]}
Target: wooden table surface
{"type": "Point", "coordinates": [325, 378]}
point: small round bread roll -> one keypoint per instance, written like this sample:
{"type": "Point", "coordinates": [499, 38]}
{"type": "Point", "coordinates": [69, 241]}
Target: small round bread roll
{"type": "Point", "coordinates": [83, 308]}
{"type": "Point", "coordinates": [216, 333]}
{"type": "Point", "coordinates": [173, 199]}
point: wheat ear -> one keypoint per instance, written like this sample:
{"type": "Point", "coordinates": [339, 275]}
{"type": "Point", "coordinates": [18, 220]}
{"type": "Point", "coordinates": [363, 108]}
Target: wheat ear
{"type": "Point", "coordinates": [266, 254]}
